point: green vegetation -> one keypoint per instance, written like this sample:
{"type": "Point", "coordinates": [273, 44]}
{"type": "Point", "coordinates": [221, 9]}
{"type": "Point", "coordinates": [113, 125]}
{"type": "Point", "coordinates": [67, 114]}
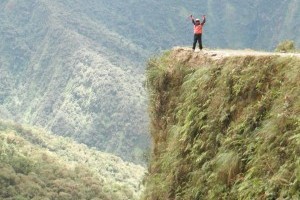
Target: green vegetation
{"type": "Point", "coordinates": [224, 129]}
{"type": "Point", "coordinates": [76, 68]}
{"type": "Point", "coordinates": [286, 46]}
{"type": "Point", "coordinates": [37, 165]}
{"type": "Point", "coordinates": [65, 71]}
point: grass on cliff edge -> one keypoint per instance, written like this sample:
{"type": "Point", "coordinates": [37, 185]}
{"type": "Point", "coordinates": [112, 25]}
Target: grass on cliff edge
{"type": "Point", "coordinates": [226, 130]}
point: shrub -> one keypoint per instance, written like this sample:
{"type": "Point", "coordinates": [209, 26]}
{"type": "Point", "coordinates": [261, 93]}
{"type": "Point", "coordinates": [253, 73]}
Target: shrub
{"type": "Point", "coordinates": [286, 46]}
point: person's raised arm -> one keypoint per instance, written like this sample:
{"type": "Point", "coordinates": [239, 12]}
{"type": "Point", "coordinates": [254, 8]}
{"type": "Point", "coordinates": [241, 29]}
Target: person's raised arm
{"type": "Point", "coordinates": [204, 20]}
{"type": "Point", "coordinates": [193, 20]}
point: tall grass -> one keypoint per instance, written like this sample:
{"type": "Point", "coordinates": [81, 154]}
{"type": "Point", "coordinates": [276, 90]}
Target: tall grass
{"type": "Point", "coordinates": [229, 130]}
{"type": "Point", "coordinates": [286, 46]}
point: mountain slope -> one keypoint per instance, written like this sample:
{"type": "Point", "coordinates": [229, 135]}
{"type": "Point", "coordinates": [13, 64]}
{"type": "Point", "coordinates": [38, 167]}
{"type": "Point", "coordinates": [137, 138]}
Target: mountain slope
{"type": "Point", "coordinates": [224, 127]}
{"type": "Point", "coordinates": [57, 72]}
{"type": "Point", "coordinates": [256, 24]}
{"type": "Point", "coordinates": [76, 67]}
{"type": "Point", "coordinates": [36, 165]}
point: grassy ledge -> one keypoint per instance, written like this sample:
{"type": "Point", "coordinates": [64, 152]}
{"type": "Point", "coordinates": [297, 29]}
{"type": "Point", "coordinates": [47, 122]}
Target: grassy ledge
{"type": "Point", "coordinates": [224, 129]}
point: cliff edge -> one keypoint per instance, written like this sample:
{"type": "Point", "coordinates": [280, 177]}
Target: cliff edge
{"type": "Point", "coordinates": [224, 124]}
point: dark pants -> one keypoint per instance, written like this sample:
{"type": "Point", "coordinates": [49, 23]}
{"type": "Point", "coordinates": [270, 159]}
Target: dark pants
{"type": "Point", "coordinates": [197, 37]}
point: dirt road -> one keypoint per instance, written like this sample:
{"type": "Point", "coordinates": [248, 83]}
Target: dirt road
{"type": "Point", "coordinates": [222, 53]}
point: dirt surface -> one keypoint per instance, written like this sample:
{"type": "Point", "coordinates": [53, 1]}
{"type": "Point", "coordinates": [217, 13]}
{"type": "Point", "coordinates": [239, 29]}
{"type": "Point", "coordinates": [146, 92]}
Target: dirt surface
{"type": "Point", "coordinates": [187, 55]}
{"type": "Point", "coordinates": [229, 52]}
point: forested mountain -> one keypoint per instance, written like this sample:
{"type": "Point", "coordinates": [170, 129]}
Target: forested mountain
{"type": "Point", "coordinates": [76, 67]}
{"type": "Point", "coordinates": [37, 165]}
{"type": "Point", "coordinates": [62, 70]}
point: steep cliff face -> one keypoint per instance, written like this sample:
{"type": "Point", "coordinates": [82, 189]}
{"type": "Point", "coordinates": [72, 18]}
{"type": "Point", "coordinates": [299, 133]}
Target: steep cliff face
{"type": "Point", "coordinates": [224, 127]}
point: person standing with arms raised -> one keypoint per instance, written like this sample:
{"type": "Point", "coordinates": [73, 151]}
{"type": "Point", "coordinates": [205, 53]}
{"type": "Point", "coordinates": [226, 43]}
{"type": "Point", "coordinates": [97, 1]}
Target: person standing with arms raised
{"type": "Point", "coordinates": [198, 26]}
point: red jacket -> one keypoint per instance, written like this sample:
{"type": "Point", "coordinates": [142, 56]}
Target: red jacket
{"type": "Point", "coordinates": [198, 26]}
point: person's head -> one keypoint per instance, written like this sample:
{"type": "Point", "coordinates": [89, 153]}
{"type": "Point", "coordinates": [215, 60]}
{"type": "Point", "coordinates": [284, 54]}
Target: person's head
{"type": "Point", "coordinates": [197, 21]}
